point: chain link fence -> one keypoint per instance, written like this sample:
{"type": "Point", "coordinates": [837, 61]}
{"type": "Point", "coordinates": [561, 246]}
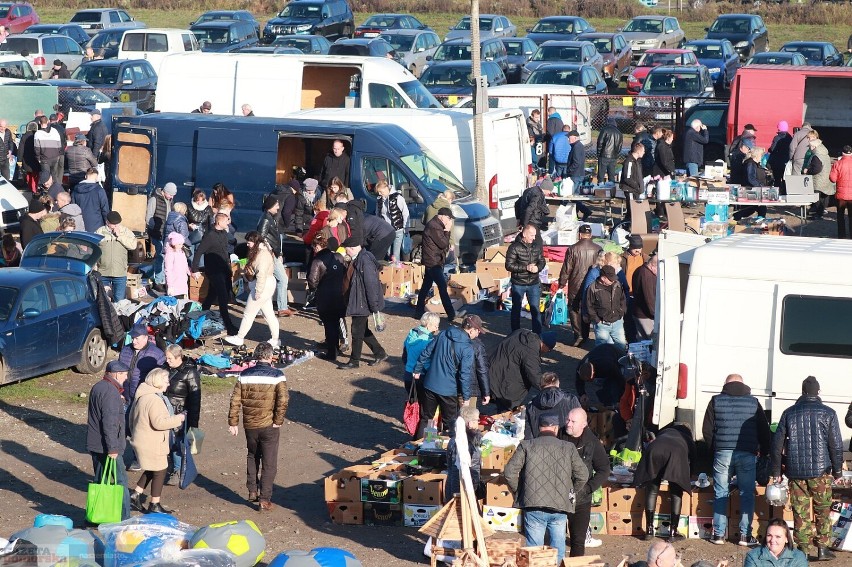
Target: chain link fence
{"type": "Point", "coordinates": [86, 99]}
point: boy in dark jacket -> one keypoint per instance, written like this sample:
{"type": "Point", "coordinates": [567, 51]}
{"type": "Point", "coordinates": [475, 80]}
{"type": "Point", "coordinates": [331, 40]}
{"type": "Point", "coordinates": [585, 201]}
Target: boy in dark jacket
{"type": "Point", "coordinates": [470, 415]}
{"type": "Point", "coordinates": [551, 399]}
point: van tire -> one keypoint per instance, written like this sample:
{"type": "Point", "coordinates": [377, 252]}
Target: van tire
{"type": "Point", "coordinates": [416, 249]}
{"type": "Point", "coordinates": [93, 355]}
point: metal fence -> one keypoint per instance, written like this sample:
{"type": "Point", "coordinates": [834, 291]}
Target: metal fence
{"type": "Point", "coordinates": [72, 99]}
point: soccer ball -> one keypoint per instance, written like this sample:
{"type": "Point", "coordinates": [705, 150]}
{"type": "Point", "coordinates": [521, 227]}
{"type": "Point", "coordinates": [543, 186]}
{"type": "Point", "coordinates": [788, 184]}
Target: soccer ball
{"type": "Point", "coordinates": [241, 538]}
{"type": "Point", "coordinates": [317, 557]}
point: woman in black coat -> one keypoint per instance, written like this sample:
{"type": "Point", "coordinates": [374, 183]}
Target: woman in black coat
{"type": "Point", "coordinates": [664, 162]}
{"type": "Point", "coordinates": [326, 277]}
{"type": "Point", "coordinates": [668, 457]}
{"type": "Point", "coordinates": [184, 393]}
{"type": "Point", "coordinates": [755, 176]}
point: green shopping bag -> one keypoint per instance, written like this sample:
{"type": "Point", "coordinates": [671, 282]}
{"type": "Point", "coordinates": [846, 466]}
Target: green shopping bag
{"type": "Point", "coordinates": [105, 499]}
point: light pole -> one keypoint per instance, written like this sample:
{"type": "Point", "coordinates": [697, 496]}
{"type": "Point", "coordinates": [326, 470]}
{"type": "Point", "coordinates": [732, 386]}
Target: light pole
{"type": "Point", "coordinates": [480, 105]}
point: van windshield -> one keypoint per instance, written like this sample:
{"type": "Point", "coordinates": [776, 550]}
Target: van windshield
{"type": "Point", "coordinates": [418, 93]}
{"type": "Point", "coordinates": [433, 173]}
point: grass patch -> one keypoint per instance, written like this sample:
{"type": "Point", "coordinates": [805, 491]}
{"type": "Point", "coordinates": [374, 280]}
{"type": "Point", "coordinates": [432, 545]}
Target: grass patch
{"type": "Point", "coordinates": [45, 388]}
{"type": "Point", "coordinates": [216, 385]}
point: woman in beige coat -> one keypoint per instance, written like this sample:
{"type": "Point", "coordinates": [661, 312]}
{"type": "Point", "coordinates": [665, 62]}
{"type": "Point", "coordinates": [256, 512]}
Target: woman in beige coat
{"type": "Point", "coordinates": [150, 425]}
{"type": "Point", "coordinates": [259, 271]}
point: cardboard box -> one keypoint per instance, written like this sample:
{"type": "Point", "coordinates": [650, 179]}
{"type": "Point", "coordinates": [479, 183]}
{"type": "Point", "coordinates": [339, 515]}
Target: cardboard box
{"type": "Point", "coordinates": [502, 519]}
{"type": "Point", "coordinates": [664, 501]}
{"type": "Point", "coordinates": [346, 513]}
{"type": "Point", "coordinates": [416, 515]}
{"type": "Point", "coordinates": [496, 253]}
{"type": "Point", "coordinates": [345, 485]}
{"type": "Point", "coordinates": [783, 512]}
{"type": "Point", "coordinates": [492, 270]}
{"type": "Point", "coordinates": [424, 489]}
{"type": "Point", "coordinates": [497, 493]}
{"type": "Point", "coordinates": [663, 525]}
{"type": "Point", "coordinates": [567, 237]}
{"type": "Point", "coordinates": [553, 270]}
{"type": "Point", "coordinates": [624, 500]}
{"type": "Point", "coordinates": [434, 304]}
{"type": "Point", "coordinates": [702, 502]}
{"type": "Point", "coordinates": [498, 457]}
{"type": "Point", "coordinates": [597, 523]}
{"type": "Point", "coordinates": [382, 487]}
{"type": "Point", "coordinates": [470, 287]}
{"type": "Point", "coordinates": [762, 509]}
{"type": "Point", "coordinates": [382, 514]}
{"type": "Point", "coordinates": [198, 288]}
{"type": "Point", "coordinates": [601, 424]}
{"type": "Point", "coordinates": [701, 527]}
{"type": "Point", "coordinates": [624, 523]}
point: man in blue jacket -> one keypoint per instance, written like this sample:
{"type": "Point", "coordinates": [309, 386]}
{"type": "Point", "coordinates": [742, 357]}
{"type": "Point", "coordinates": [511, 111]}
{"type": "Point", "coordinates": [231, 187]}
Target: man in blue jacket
{"type": "Point", "coordinates": [577, 168]}
{"type": "Point", "coordinates": [560, 152]}
{"type": "Point", "coordinates": [141, 356]}
{"type": "Point", "coordinates": [451, 373]}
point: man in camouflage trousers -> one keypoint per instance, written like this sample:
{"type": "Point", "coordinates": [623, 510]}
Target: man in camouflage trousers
{"type": "Point", "coordinates": [808, 437]}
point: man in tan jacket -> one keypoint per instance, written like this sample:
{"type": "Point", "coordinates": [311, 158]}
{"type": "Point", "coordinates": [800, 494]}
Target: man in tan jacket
{"type": "Point", "coordinates": [261, 394]}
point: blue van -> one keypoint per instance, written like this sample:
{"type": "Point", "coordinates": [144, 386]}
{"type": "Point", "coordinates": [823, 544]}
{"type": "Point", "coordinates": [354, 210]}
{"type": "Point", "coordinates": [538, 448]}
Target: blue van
{"type": "Point", "coordinates": [250, 155]}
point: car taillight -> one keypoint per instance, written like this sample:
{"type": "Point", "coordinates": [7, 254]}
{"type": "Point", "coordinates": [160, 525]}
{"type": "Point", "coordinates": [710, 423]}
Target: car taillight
{"type": "Point", "coordinates": [359, 33]}
{"type": "Point", "coordinates": [39, 61]}
{"type": "Point", "coordinates": [492, 193]}
{"type": "Point", "coordinates": [682, 378]}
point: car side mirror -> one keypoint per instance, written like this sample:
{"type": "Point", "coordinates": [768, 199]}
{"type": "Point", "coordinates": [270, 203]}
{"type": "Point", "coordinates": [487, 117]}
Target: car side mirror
{"type": "Point", "coordinates": [30, 313]}
{"type": "Point", "coordinates": [529, 30]}
{"type": "Point", "coordinates": [590, 87]}
{"type": "Point", "coordinates": [618, 29]}
{"type": "Point", "coordinates": [421, 49]}
{"type": "Point", "coordinates": [669, 31]}
{"type": "Point", "coordinates": [706, 29]}
{"type": "Point", "coordinates": [530, 53]}
{"type": "Point", "coordinates": [498, 29]}
{"type": "Point", "coordinates": [586, 58]}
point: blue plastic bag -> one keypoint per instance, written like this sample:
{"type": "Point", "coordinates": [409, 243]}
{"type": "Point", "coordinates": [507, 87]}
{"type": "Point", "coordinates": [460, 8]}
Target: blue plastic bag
{"type": "Point", "coordinates": [406, 244]}
{"type": "Point", "coordinates": [559, 314]}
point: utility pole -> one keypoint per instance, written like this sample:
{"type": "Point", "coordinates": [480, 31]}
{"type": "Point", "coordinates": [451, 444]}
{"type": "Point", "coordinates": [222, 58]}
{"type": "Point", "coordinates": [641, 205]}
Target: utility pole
{"type": "Point", "coordinates": [480, 105]}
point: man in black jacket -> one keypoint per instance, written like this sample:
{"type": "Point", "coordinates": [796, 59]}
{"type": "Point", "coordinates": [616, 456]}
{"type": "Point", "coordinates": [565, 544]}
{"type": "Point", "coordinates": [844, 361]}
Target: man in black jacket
{"type": "Point", "coordinates": [217, 268]}
{"type": "Point", "coordinates": [363, 296]}
{"type": "Point", "coordinates": [354, 216]}
{"type": "Point", "coordinates": [606, 305]}
{"type": "Point", "coordinates": [610, 140]}
{"type": "Point", "coordinates": [29, 224]}
{"type": "Point", "coordinates": [578, 259]}
{"type": "Point", "coordinates": [524, 260]}
{"type": "Point", "coordinates": [378, 236]}
{"type": "Point", "coordinates": [632, 172]}
{"type": "Point", "coordinates": [577, 169]}
{"type": "Point", "coordinates": [335, 164]}
{"type": "Point", "coordinates": [435, 246]}
{"type": "Point", "coordinates": [184, 393]}
{"type": "Point", "coordinates": [551, 399]}
{"type": "Point", "coordinates": [531, 206]}
{"type": "Point", "coordinates": [515, 367]}
{"type": "Point", "coordinates": [7, 148]}
{"type": "Point", "coordinates": [269, 229]}
{"type": "Point", "coordinates": [97, 133]}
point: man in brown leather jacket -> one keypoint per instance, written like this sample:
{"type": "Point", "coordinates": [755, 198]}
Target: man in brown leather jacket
{"type": "Point", "coordinates": [578, 259]}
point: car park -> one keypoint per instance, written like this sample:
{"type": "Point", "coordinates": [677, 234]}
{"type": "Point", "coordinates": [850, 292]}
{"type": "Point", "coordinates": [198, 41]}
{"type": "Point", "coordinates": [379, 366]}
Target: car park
{"type": "Point", "coordinates": [663, 84]}
{"type": "Point", "coordinates": [379, 23]}
{"type": "Point", "coordinates": [155, 44]}
{"type": "Point", "coordinates": [490, 25]}
{"type": "Point", "coordinates": [305, 43]}
{"type": "Point", "coordinates": [616, 52]}
{"type": "Point", "coordinates": [652, 32]}
{"type": "Point", "coordinates": [579, 75]}
{"type": "Point", "coordinates": [519, 50]}
{"type": "Point", "coordinates": [776, 58]}
{"type": "Point", "coordinates": [48, 312]}
{"type": "Point", "coordinates": [126, 80]}
{"type": "Point", "coordinates": [747, 32]}
{"type": "Point", "coordinates": [224, 36]}
{"type": "Point", "coordinates": [238, 15]}
{"type": "Point", "coordinates": [332, 19]}
{"type": "Point", "coordinates": [363, 47]}
{"type": "Point", "coordinates": [42, 50]}
{"type": "Point", "coordinates": [96, 19]}
{"type": "Point", "coordinates": [819, 53]}
{"type": "Point", "coordinates": [16, 17]}
{"type": "Point", "coordinates": [655, 58]}
{"type": "Point", "coordinates": [491, 49]}
{"type": "Point", "coordinates": [16, 67]}
{"type": "Point", "coordinates": [719, 56]}
{"type": "Point", "coordinates": [560, 28]}
{"type": "Point", "coordinates": [413, 47]}
{"type": "Point", "coordinates": [450, 80]}
{"type": "Point", "coordinates": [73, 31]}
{"type": "Point", "coordinates": [563, 52]}
{"type": "Point", "coordinates": [106, 43]}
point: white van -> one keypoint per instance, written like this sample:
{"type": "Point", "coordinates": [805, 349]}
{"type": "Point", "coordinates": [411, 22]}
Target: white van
{"type": "Point", "coordinates": [155, 44]}
{"type": "Point", "coordinates": [276, 85]}
{"type": "Point", "coordinates": [572, 103]}
{"type": "Point", "coordinates": [774, 309]}
{"type": "Point", "coordinates": [449, 135]}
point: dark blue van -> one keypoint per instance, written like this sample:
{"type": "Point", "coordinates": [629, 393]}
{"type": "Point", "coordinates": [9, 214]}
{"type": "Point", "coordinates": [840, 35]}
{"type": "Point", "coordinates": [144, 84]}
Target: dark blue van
{"type": "Point", "coordinates": [224, 36]}
{"type": "Point", "coordinates": [250, 155]}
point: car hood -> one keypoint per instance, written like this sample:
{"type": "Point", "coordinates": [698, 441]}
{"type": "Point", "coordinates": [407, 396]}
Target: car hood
{"type": "Point", "coordinates": [641, 72]}
{"type": "Point", "coordinates": [712, 62]}
{"type": "Point", "coordinates": [291, 21]}
{"type": "Point", "coordinates": [730, 36]}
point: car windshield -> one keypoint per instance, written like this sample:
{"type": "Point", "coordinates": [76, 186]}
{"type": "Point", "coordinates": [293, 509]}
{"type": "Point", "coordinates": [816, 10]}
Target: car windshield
{"type": "Point", "coordinates": [554, 26]}
{"type": "Point", "coordinates": [602, 44]}
{"type": "Point", "coordinates": [764, 59]}
{"type": "Point", "coordinates": [7, 300]}
{"type": "Point", "coordinates": [440, 76]}
{"type": "Point", "coordinates": [20, 44]}
{"type": "Point", "coordinates": [657, 59]}
{"type": "Point", "coordinates": [418, 93]}
{"type": "Point", "coordinates": [809, 53]}
{"type": "Point", "coordinates": [97, 74]}
{"type": "Point", "coordinates": [433, 173]}
{"type": "Point", "coordinates": [671, 82]}
{"type": "Point", "coordinates": [380, 21]}
{"type": "Point", "coordinates": [86, 17]}
{"type": "Point", "coordinates": [303, 45]}
{"type": "Point", "coordinates": [514, 47]}
{"type": "Point", "coordinates": [557, 53]}
{"type": "Point", "coordinates": [453, 52]}
{"type": "Point", "coordinates": [301, 10]}
{"type": "Point", "coordinates": [214, 17]}
{"type": "Point", "coordinates": [706, 51]}
{"type": "Point", "coordinates": [645, 26]}
{"type": "Point", "coordinates": [484, 24]}
{"type": "Point", "coordinates": [83, 96]}
{"type": "Point", "coordinates": [554, 77]}
{"type": "Point", "coordinates": [211, 37]}
{"type": "Point", "coordinates": [398, 41]}
{"type": "Point", "coordinates": [730, 25]}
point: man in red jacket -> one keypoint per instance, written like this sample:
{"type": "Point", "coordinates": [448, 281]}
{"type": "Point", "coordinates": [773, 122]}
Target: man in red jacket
{"type": "Point", "coordinates": [841, 174]}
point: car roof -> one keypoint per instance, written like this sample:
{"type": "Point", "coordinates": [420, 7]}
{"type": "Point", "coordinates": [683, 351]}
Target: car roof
{"type": "Point", "coordinates": [216, 24]}
{"type": "Point", "coordinates": [98, 10]}
{"type": "Point", "coordinates": [402, 31]}
{"type": "Point", "coordinates": [358, 41]}
{"type": "Point", "coordinates": [734, 16]}
{"type": "Point", "coordinates": [52, 26]}
{"type": "Point", "coordinates": [650, 17]}
{"type": "Point", "coordinates": [560, 18]}
{"type": "Point", "coordinates": [30, 35]}
{"type": "Point", "coordinates": [467, 40]}
{"type": "Point", "coordinates": [223, 12]}
{"type": "Point", "coordinates": [457, 63]}
{"type": "Point", "coordinates": [387, 14]}
{"type": "Point", "coordinates": [691, 69]}
{"type": "Point", "coordinates": [157, 30]}
{"type": "Point", "coordinates": [111, 62]}
{"type": "Point", "coordinates": [481, 16]}
{"type": "Point", "coordinates": [707, 41]}
{"type": "Point", "coordinates": [18, 277]}
{"type": "Point", "coordinates": [593, 35]}
{"type": "Point", "coordinates": [563, 43]}
{"type": "Point", "coordinates": [807, 43]}
{"type": "Point", "coordinates": [669, 51]}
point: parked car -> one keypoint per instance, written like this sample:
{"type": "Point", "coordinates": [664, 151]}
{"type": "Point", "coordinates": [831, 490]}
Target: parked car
{"type": "Point", "coordinates": [224, 36]}
{"type": "Point", "coordinates": [332, 19]}
{"type": "Point", "coordinates": [491, 49]}
{"type": "Point", "coordinates": [360, 46]}
{"type": "Point", "coordinates": [43, 50]}
{"type": "Point", "coordinates": [714, 115]}
{"type": "Point", "coordinates": [16, 67]}
{"type": "Point", "coordinates": [272, 50]}
{"type": "Point", "coordinates": [107, 42]}
{"type": "Point", "coordinates": [665, 83]}
{"type": "Point", "coordinates": [78, 95]}
{"type": "Point", "coordinates": [747, 32]}
{"type": "Point", "coordinates": [97, 19]}
{"type": "Point", "coordinates": [315, 44]}
{"type": "Point", "coordinates": [73, 31]}
{"type": "Point", "coordinates": [48, 314]}
{"type": "Point", "coordinates": [720, 58]}
{"type": "Point", "coordinates": [652, 32]}
{"type": "Point", "coordinates": [776, 58]}
{"type": "Point", "coordinates": [560, 28]}
{"type": "Point", "coordinates": [125, 80]}
{"type": "Point", "coordinates": [519, 50]}
{"type": "Point", "coordinates": [17, 16]}
{"type": "Point", "coordinates": [563, 52]}
{"type": "Point", "coordinates": [450, 80]}
{"type": "Point", "coordinates": [655, 58]}
{"type": "Point", "coordinates": [412, 47]}
{"type": "Point", "coordinates": [155, 44]}
{"type": "Point", "coordinates": [819, 53]}
{"type": "Point", "coordinates": [490, 25]}
{"type": "Point", "coordinates": [379, 23]}
{"type": "Point", "coordinates": [577, 75]}
{"type": "Point", "coordinates": [616, 51]}
{"type": "Point", "coordinates": [238, 15]}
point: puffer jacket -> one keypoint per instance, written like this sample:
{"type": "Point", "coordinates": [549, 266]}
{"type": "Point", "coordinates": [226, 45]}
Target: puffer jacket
{"type": "Point", "coordinates": [552, 400]}
{"type": "Point", "coordinates": [326, 278]}
{"type": "Point", "coordinates": [809, 433]}
{"type": "Point", "coordinates": [605, 303]}
{"type": "Point", "coordinates": [365, 291]}
{"type": "Point", "coordinates": [199, 216]}
{"type": "Point", "coordinates": [418, 339]}
{"type": "Point", "coordinates": [93, 203]}
{"type": "Point", "coordinates": [261, 394]}
{"type": "Point", "coordinates": [435, 243]}
{"type": "Point", "coordinates": [520, 255]}
{"type": "Point", "coordinates": [176, 222]}
{"type": "Point", "coordinates": [140, 364]}
{"type": "Point", "coordinates": [822, 182]}
{"type": "Point", "coordinates": [762, 557]}
{"type": "Point", "coordinates": [184, 391]}
{"type": "Point", "coordinates": [735, 421]}
{"type": "Point", "coordinates": [632, 176]}
{"type": "Point", "coordinates": [546, 472]}
{"type": "Point", "coordinates": [578, 259]}
{"type": "Point", "coordinates": [531, 208]}
{"type": "Point", "coordinates": [841, 174]}
{"type": "Point", "coordinates": [450, 359]}
{"type": "Point", "coordinates": [515, 368]}
{"type": "Point", "coordinates": [79, 158]}
{"type": "Point", "coordinates": [610, 140]}
{"type": "Point", "coordinates": [268, 229]}
{"type": "Point", "coordinates": [594, 455]}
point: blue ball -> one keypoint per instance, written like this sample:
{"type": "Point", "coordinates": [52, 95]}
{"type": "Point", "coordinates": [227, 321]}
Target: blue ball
{"type": "Point", "coordinates": [317, 557]}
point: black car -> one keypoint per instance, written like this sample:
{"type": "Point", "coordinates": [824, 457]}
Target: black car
{"type": "Point", "coordinates": [105, 43]}
{"type": "Point", "coordinates": [452, 80]}
{"type": "Point", "coordinates": [519, 50]}
{"type": "Point", "coordinates": [378, 23]}
{"type": "Point", "coordinates": [332, 19]}
{"type": "Point", "coordinates": [373, 47]}
{"type": "Point", "coordinates": [125, 80]}
{"type": "Point", "coordinates": [562, 28]}
{"type": "Point", "coordinates": [224, 36]}
{"type": "Point", "coordinates": [73, 31]}
{"type": "Point", "coordinates": [665, 83]}
{"type": "Point", "coordinates": [747, 32]}
{"type": "Point", "coordinates": [820, 53]}
{"type": "Point", "coordinates": [239, 15]}
{"type": "Point", "coordinates": [776, 58]}
{"type": "Point", "coordinates": [315, 44]}
{"type": "Point", "coordinates": [491, 49]}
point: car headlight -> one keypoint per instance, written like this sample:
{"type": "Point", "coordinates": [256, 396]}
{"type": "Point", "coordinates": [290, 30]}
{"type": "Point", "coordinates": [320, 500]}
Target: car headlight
{"type": "Point", "coordinates": [714, 70]}
{"type": "Point", "coordinates": [303, 27]}
{"type": "Point", "coordinates": [741, 44]}
{"type": "Point", "coordinates": [643, 102]}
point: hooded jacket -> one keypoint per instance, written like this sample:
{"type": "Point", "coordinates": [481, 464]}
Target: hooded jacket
{"type": "Point", "coordinates": [140, 362]}
{"type": "Point", "coordinates": [176, 266]}
{"type": "Point", "coordinates": [176, 222]}
{"type": "Point", "coordinates": [735, 421]}
{"type": "Point", "coordinates": [520, 255]}
{"type": "Point", "coordinates": [595, 457]}
{"type": "Point", "coordinates": [417, 340]}
{"type": "Point", "coordinates": [779, 152]}
{"type": "Point", "coordinates": [92, 199]}
{"type": "Point", "coordinates": [809, 434]}
{"type": "Point", "coordinates": [554, 125]}
{"type": "Point", "coordinates": [551, 400]}
{"type": "Point", "coordinates": [516, 368]}
{"type": "Point", "coordinates": [105, 423]}
{"type": "Point", "coordinates": [605, 303]}
{"type": "Point", "coordinates": [365, 292]}
{"type": "Point", "coordinates": [450, 360]}
{"type": "Point", "coordinates": [74, 210]}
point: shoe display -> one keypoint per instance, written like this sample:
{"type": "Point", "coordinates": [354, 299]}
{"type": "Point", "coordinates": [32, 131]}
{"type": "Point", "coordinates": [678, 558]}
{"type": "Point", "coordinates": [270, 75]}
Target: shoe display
{"type": "Point", "coordinates": [748, 541]}
{"type": "Point", "coordinates": [234, 340]}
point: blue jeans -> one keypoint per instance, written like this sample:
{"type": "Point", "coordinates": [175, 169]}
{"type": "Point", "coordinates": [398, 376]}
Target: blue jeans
{"type": "Point", "coordinates": [396, 247]}
{"type": "Point", "coordinates": [612, 333]}
{"type": "Point", "coordinates": [533, 294]}
{"type": "Point", "coordinates": [280, 273]}
{"type": "Point", "coordinates": [159, 275]}
{"type": "Point", "coordinates": [560, 169]}
{"type": "Point", "coordinates": [98, 462]}
{"type": "Point", "coordinates": [725, 465]}
{"type": "Point", "coordinates": [691, 169]}
{"type": "Point", "coordinates": [118, 285]}
{"type": "Point", "coordinates": [536, 522]}
{"type": "Point", "coordinates": [175, 452]}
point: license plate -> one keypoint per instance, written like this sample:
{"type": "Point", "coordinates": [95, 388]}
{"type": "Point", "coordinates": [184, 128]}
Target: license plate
{"type": "Point", "coordinates": [664, 116]}
{"type": "Point", "coordinates": [371, 34]}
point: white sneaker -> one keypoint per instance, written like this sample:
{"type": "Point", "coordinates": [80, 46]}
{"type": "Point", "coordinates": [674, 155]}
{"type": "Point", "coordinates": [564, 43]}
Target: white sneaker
{"type": "Point", "coordinates": [592, 542]}
{"type": "Point", "coordinates": [234, 340]}
{"type": "Point", "coordinates": [275, 344]}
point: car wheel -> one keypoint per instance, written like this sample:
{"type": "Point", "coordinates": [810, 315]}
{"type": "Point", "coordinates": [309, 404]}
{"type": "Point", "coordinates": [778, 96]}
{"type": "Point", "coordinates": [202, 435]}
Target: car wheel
{"type": "Point", "coordinates": [93, 357]}
{"type": "Point", "coordinates": [416, 249]}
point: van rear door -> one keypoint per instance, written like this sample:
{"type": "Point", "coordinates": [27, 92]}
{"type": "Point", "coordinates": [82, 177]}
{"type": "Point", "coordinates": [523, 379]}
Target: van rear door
{"type": "Point", "coordinates": [134, 159]}
{"type": "Point", "coordinates": [667, 326]}
{"type": "Point", "coordinates": [512, 152]}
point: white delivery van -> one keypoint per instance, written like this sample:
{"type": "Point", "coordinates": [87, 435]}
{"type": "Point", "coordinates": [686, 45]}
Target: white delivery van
{"type": "Point", "coordinates": [572, 103]}
{"type": "Point", "coordinates": [276, 85]}
{"type": "Point", "coordinates": [449, 135]}
{"type": "Point", "coordinates": [155, 44]}
{"type": "Point", "coordinates": [774, 309]}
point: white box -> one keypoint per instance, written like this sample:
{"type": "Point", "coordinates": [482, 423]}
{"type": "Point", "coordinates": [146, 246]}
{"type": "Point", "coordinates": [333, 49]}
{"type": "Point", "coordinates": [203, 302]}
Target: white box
{"type": "Point", "coordinates": [502, 519]}
{"type": "Point", "coordinates": [416, 515]}
{"type": "Point", "coordinates": [567, 237]}
{"type": "Point", "coordinates": [701, 528]}
{"type": "Point", "coordinates": [550, 237]}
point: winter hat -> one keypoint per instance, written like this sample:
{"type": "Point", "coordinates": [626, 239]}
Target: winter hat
{"type": "Point", "coordinates": [311, 184]}
{"type": "Point", "coordinates": [446, 212]}
{"type": "Point", "coordinates": [608, 272]}
{"type": "Point", "coordinates": [634, 242]}
{"type": "Point", "coordinates": [36, 206]}
{"type": "Point", "coordinates": [810, 386]}
{"type": "Point", "coordinates": [546, 184]}
{"type": "Point", "coordinates": [43, 176]}
{"type": "Point", "coordinates": [548, 420]}
{"type": "Point", "coordinates": [139, 329]}
{"type": "Point", "coordinates": [295, 185]}
{"type": "Point", "coordinates": [351, 242]}
{"type": "Point", "coordinates": [269, 202]}
{"type": "Point", "coordinates": [170, 189]}
{"type": "Point", "coordinates": [113, 217]}
{"type": "Point", "coordinates": [176, 239]}
{"type": "Point", "coordinates": [117, 366]}
{"type": "Point", "coordinates": [783, 126]}
{"type": "Point", "coordinates": [333, 243]}
{"type": "Point", "coordinates": [548, 339]}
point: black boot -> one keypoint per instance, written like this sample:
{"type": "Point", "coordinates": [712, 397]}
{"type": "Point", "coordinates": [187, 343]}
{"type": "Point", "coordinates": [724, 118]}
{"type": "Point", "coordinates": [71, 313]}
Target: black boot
{"type": "Point", "coordinates": [675, 535]}
{"type": "Point", "coordinates": [823, 554]}
{"type": "Point", "coordinates": [136, 501]}
{"type": "Point", "coordinates": [156, 507]}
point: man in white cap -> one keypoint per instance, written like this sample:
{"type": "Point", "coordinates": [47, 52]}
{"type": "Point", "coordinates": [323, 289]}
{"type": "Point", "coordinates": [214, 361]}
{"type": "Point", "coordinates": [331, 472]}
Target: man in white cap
{"type": "Point", "coordinates": [159, 207]}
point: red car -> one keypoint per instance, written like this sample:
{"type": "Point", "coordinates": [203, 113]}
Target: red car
{"type": "Point", "coordinates": [654, 58]}
{"type": "Point", "coordinates": [16, 17]}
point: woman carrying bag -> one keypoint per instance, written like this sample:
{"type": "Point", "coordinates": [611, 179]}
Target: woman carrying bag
{"type": "Point", "coordinates": [259, 271]}
{"type": "Point", "coordinates": [184, 393]}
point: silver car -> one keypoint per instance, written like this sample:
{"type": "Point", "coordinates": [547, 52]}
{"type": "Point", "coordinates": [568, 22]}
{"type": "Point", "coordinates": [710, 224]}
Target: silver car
{"type": "Point", "coordinates": [490, 25]}
{"type": "Point", "coordinates": [652, 32]}
{"type": "Point", "coordinates": [413, 47]}
{"type": "Point", "coordinates": [97, 19]}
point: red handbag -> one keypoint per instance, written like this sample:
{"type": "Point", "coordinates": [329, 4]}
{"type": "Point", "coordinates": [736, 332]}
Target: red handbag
{"type": "Point", "coordinates": [411, 411]}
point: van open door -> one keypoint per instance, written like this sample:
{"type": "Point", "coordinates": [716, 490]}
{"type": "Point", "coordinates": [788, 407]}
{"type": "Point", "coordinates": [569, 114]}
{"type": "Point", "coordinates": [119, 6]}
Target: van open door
{"type": "Point", "coordinates": [134, 173]}
{"type": "Point", "coordinates": [667, 327]}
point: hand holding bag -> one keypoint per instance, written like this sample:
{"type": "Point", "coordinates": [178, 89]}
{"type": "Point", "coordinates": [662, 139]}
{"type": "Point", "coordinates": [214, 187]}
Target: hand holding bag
{"type": "Point", "coordinates": [188, 472]}
{"type": "Point", "coordinates": [105, 499]}
{"type": "Point", "coordinates": [411, 411]}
